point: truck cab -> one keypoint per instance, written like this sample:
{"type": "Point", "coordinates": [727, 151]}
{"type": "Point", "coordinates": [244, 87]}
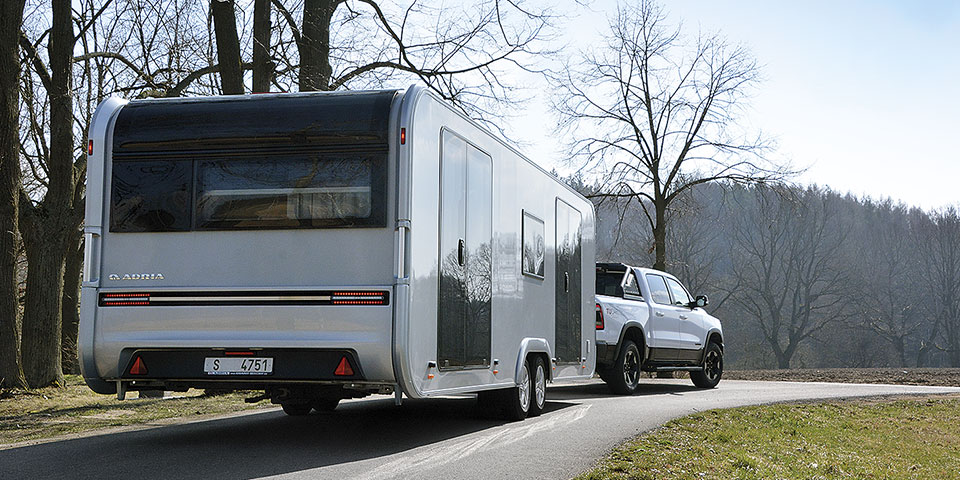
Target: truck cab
{"type": "Point", "coordinates": [647, 320]}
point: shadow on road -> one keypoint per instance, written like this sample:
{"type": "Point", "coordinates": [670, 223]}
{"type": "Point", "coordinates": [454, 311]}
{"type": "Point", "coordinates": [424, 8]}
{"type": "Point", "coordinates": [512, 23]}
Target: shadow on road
{"type": "Point", "coordinates": [256, 445]}
{"type": "Point", "coordinates": [582, 391]}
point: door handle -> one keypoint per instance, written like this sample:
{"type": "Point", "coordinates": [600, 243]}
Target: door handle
{"type": "Point", "coordinates": [659, 314]}
{"type": "Point", "coordinates": [566, 282]}
{"type": "Point", "coordinates": [460, 248]}
{"type": "Point", "coordinates": [683, 317]}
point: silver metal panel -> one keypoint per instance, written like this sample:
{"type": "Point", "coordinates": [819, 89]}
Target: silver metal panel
{"type": "Point", "coordinates": [522, 306]}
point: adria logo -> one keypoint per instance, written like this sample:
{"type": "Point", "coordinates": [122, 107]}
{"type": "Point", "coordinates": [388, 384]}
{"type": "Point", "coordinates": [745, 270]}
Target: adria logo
{"type": "Point", "coordinates": [135, 276]}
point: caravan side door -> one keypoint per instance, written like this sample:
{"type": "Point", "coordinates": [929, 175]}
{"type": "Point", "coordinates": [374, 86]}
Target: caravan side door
{"type": "Point", "coordinates": [568, 285]}
{"type": "Point", "coordinates": [466, 210]}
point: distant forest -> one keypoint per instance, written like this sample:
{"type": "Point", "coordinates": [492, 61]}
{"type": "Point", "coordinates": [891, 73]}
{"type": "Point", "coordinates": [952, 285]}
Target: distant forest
{"type": "Point", "coordinates": [804, 277]}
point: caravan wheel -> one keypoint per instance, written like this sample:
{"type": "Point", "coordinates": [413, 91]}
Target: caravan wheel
{"type": "Point", "coordinates": [538, 390]}
{"type": "Point", "coordinates": [515, 402]}
{"type": "Point", "coordinates": [296, 409]}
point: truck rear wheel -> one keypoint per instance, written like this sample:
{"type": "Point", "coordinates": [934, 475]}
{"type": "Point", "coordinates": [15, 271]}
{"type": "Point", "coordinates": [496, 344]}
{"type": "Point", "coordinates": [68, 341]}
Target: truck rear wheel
{"type": "Point", "coordinates": [625, 374]}
{"type": "Point", "coordinates": [709, 377]}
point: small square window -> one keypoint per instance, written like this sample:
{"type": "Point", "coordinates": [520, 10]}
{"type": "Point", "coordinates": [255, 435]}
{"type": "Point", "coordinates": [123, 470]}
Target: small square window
{"type": "Point", "coordinates": [533, 246]}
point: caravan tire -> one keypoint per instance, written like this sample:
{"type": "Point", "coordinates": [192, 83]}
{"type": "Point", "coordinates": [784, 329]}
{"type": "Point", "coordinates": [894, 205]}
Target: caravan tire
{"type": "Point", "coordinates": [538, 386]}
{"type": "Point", "coordinates": [296, 409]}
{"type": "Point", "coordinates": [326, 404]}
{"type": "Point", "coordinates": [515, 402]}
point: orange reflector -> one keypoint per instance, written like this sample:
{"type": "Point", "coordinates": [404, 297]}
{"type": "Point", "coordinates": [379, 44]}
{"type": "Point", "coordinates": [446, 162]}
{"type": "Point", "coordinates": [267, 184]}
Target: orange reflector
{"type": "Point", "coordinates": [403, 136]}
{"type": "Point", "coordinates": [138, 368]}
{"type": "Point", "coordinates": [90, 148]}
{"type": "Point", "coordinates": [344, 368]}
{"type": "Point", "coordinates": [496, 372]}
{"type": "Point", "coordinates": [430, 376]}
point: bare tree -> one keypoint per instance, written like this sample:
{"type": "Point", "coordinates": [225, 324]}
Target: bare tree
{"type": "Point", "coordinates": [656, 116]}
{"type": "Point", "coordinates": [886, 293]}
{"type": "Point", "coordinates": [460, 52]}
{"type": "Point", "coordinates": [11, 17]}
{"type": "Point", "coordinates": [789, 278]}
{"type": "Point", "coordinates": [940, 247]}
{"type": "Point", "coordinates": [263, 66]}
{"type": "Point", "coordinates": [228, 46]}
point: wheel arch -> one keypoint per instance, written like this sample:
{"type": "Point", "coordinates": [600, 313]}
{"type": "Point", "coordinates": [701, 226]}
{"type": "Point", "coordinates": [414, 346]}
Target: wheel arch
{"type": "Point", "coordinates": [713, 336]}
{"type": "Point", "coordinates": [530, 347]}
{"type": "Point", "coordinates": [633, 331]}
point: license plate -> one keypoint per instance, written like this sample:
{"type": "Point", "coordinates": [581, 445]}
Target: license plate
{"type": "Point", "coordinates": [238, 366]}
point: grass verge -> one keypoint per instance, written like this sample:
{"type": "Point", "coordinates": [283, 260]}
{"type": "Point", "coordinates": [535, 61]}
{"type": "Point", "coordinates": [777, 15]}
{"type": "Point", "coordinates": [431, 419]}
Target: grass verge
{"type": "Point", "coordinates": [47, 412]}
{"type": "Point", "coordinates": [905, 438]}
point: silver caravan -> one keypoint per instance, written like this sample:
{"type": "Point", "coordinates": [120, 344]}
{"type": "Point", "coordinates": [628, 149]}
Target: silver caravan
{"type": "Point", "coordinates": [323, 246]}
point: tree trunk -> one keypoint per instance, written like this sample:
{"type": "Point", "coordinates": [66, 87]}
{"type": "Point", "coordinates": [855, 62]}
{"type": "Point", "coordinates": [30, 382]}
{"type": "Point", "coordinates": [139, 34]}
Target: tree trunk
{"type": "Point", "coordinates": [48, 226]}
{"type": "Point", "coordinates": [660, 235]}
{"type": "Point", "coordinates": [783, 361]}
{"type": "Point", "coordinates": [71, 307]}
{"type": "Point", "coordinates": [900, 347]}
{"type": "Point", "coordinates": [262, 65]}
{"type": "Point", "coordinates": [228, 46]}
{"type": "Point", "coordinates": [41, 325]}
{"type": "Point", "coordinates": [315, 69]}
{"type": "Point", "coordinates": [11, 17]}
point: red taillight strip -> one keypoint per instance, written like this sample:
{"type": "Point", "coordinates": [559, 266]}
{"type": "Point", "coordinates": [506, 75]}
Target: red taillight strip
{"type": "Point", "coordinates": [359, 302]}
{"type": "Point", "coordinates": [241, 298]}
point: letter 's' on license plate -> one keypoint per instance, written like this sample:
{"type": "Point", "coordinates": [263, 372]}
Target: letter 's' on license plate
{"type": "Point", "coordinates": [238, 366]}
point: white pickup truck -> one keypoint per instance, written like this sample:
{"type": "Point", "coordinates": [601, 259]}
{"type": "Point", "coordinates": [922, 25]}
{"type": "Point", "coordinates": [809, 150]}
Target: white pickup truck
{"type": "Point", "coordinates": [647, 321]}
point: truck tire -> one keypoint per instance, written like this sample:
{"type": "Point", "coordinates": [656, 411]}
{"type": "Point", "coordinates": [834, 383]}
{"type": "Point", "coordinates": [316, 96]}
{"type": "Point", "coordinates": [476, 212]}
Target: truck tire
{"type": "Point", "coordinates": [709, 377]}
{"type": "Point", "coordinates": [625, 374]}
{"type": "Point", "coordinates": [538, 387]}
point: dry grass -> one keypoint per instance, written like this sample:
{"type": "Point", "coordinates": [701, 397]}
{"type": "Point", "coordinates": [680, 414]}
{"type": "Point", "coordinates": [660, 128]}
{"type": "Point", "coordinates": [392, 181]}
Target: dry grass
{"type": "Point", "coordinates": [34, 414]}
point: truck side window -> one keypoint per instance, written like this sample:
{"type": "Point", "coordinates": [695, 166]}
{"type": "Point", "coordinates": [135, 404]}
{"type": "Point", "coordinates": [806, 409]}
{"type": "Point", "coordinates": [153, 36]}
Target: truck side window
{"type": "Point", "coordinates": [630, 286]}
{"type": "Point", "coordinates": [658, 289]}
{"type": "Point", "coordinates": [680, 295]}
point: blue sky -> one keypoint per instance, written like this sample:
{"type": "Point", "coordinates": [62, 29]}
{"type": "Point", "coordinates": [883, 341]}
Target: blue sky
{"type": "Point", "coordinates": [861, 93]}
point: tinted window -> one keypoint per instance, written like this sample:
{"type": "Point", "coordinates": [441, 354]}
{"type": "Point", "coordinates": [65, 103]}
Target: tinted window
{"type": "Point", "coordinates": [151, 196]}
{"type": "Point", "coordinates": [303, 190]}
{"type": "Point", "coordinates": [680, 295]}
{"type": "Point", "coordinates": [608, 283]}
{"type": "Point", "coordinates": [658, 289]}
{"type": "Point", "coordinates": [253, 121]}
{"type": "Point", "coordinates": [631, 286]}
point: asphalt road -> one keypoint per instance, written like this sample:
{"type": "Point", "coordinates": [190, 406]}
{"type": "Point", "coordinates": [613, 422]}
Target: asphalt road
{"type": "Point", "coordinates": [436, 438]}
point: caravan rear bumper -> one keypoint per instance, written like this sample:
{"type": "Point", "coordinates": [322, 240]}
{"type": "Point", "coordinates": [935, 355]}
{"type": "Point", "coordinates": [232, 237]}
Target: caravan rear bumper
{"type": "Point", "coordinates": [189, 367]}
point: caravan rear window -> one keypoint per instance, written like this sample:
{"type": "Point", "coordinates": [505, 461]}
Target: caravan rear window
{"type": "Point", "coordinates": [301, 190]}
{"type": "Point", "coordinates": [316, 190]}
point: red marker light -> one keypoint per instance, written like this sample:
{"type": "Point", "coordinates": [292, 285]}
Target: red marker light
{"type": "Point", "coordinates": [90, 148]}
{"type": "Point", "coordinates": [344, 368]}
{"type": "Point", "coordinates": [138, 368]}
{"type": "Point", "coordinates": [403, 136]}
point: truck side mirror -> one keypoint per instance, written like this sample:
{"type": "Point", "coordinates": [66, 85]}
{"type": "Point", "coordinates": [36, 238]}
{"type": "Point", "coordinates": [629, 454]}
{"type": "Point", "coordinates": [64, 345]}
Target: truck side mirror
{"type": "Point", "coordinates": [701, 301]}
